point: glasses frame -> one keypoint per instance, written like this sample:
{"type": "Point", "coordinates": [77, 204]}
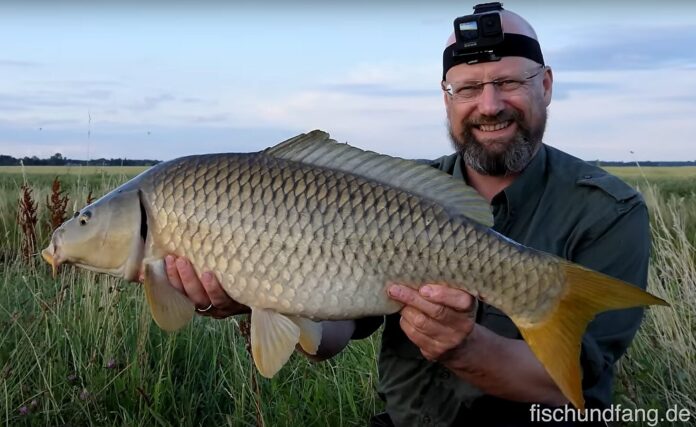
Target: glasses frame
{"type": "Point", "coordinates": [497, 83]}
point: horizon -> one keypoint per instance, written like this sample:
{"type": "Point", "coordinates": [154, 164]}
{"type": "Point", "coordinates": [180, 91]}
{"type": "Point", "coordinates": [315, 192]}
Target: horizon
{"type": "Point", "coordinates": [77, 159]}
{"type": "Point", "coordinates": [129, 81]}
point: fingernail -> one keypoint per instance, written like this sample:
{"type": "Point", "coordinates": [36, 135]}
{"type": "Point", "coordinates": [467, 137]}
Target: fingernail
{"type": "Point", "coordinates": [168, 260]}
{"type": "Point", "coordinates": [180, 262]}
{"type": "Point", "coordinates": [426, 291]}
{"type": "Point", "coordinates": [394, 290]}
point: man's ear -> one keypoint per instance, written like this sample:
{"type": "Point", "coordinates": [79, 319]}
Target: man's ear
{"type": "Point", "coordinates": [548, 85]}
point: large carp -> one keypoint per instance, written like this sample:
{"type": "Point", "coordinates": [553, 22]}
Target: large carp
{"type": "Point", "coordinates": [312, 229]}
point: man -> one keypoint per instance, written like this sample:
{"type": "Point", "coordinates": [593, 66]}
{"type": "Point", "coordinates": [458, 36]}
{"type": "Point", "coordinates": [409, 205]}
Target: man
{"type": "Point", "coordinates": [446, 360]}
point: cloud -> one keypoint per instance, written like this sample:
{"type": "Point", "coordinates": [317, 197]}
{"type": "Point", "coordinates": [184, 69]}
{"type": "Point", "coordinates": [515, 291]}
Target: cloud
{"type": "Point", "coordinates": [628, 48]}
{"type": "Point", "coordinates": [563, 89]}
{"type": "Point", "coordinates": [31, 100]}
{"type": "Point", "coordinates": [124, 140]}
{"type": "Point", "coordinates": [149, 103]}
{"type": "Point", "coordinates": [9, 63]}
{"type": "Point", "coordinates": [376, 90]}
{"type": "Point", "coordinates": [648, 119]}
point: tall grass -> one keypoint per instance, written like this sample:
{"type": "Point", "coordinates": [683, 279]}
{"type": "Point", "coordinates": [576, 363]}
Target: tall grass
{"type": "Point", "coordinates": [87, 352]}
{"type": "Point", "coordinates": [659, 370]}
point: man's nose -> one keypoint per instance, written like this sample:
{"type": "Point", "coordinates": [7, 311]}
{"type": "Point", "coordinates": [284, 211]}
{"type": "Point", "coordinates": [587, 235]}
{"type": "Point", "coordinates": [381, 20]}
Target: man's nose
{"type": "Point", "coordinates": [490, 102]}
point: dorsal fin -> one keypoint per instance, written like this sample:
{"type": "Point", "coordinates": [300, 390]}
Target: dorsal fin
{"type": "Point", "coordinates": [316, 148]}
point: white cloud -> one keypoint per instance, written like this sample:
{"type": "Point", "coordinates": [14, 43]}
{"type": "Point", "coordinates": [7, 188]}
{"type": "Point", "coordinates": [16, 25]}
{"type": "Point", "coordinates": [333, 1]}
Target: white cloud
{"type": "Point", "coordinates": [644, 113]}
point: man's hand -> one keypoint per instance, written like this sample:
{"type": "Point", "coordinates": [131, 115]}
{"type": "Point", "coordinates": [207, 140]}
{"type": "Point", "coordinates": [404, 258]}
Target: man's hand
{"type": "Point", "coordinates": [205, 293]}
{"type": "Point", "coordinates": [441, 321]}
{"type": "Point", "coordinates": [438, 319]}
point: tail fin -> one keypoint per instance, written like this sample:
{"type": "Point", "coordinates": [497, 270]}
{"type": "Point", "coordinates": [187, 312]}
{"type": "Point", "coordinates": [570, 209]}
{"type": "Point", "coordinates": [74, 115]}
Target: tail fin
{"type": "Point", "coordinates": [556, 339]}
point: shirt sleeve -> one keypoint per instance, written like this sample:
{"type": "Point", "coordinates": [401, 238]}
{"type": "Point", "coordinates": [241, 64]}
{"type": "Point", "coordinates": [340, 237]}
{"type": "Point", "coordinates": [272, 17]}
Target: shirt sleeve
{"type": "Point", "coordinates": [618, 247]}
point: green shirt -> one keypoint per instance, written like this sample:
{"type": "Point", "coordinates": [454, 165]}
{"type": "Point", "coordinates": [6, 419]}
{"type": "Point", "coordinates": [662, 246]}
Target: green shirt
{"type": "Point", "coordinates": [560, 205]}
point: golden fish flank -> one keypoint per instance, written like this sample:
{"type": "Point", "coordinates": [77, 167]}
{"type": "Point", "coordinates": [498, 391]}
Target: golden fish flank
{"type": "Point", "coordinates": [312, 229]}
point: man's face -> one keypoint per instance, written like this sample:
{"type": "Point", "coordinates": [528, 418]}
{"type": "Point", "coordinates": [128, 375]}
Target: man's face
{"type": "Point", "coordinates": [499, 131]}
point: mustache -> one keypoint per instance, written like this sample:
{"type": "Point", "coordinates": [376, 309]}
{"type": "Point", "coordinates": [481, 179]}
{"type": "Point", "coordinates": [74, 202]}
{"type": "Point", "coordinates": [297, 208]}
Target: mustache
{"type": "Point", "coordinates": [503, 116]}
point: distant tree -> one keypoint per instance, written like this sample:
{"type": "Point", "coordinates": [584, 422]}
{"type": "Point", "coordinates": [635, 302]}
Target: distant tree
{"type": "Point", "coordinates": [56, 160]}
{"type": "Point", "coordinates": [8, 160]}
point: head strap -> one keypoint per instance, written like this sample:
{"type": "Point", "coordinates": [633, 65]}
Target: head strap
{"type": "Point", "coordinates": [512, 45]}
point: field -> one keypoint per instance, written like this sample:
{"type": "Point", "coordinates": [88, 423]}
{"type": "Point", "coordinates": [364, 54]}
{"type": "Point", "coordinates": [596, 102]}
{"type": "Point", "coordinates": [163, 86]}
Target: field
{"type": "Point", "coordinates": [82, 349]}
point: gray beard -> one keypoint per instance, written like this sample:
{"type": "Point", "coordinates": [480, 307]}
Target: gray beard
{"type": "Point", "coordinates": [515, 155]}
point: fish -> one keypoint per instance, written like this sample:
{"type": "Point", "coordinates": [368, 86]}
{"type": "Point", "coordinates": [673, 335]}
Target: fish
{"type": "Point", "coordinates": [312, 229]}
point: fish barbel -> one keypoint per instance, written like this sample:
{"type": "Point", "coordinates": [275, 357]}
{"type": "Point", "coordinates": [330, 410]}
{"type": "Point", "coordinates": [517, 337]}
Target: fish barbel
{"type": "Point", "coordinates": [313, 230]}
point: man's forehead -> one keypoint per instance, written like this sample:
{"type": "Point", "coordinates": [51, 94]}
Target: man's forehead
{"type": "Point", "coordinates": [506, 66]}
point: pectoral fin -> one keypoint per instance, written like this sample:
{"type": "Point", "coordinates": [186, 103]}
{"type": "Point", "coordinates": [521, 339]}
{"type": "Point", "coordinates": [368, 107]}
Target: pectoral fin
{"type": "Point", "coordinates": [170, 309]}
{"type": "Point", "coordinates": [273, 339]}
{"type": "Point", "coordinates": [310, 334]}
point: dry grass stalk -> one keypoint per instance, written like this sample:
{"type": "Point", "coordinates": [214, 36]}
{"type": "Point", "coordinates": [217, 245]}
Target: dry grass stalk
{"type": "Point", "coordinates": [27, 220]}
{"type": "Point", "coordinates": [57, 205]}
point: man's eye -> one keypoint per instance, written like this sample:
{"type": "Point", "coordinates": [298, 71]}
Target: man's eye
{"type": "Point", "coordinates": [509, 84]}
{"type": "Point", "coordinates": [464, 90]}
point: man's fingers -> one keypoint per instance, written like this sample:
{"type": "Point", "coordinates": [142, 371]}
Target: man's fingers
{"type": "Point", "coordinates": [430, 348]}
{"type": "Point", "coordinates": [411, 297]}
{"type": "Point", "coordinates": [453, 298]}
{"type": "Point", "coordinates": [192, 286]}
{"type": "Point", "coordinates": [173, 273]}
{"type": "Point", "coordinates": [218, 297]}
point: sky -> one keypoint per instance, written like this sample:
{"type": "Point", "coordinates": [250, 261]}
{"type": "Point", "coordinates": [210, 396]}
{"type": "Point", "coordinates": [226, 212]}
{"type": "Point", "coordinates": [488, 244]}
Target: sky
{"type": "Point", "coordinates": [119, 79]}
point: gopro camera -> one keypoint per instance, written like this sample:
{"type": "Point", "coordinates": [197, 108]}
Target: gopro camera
{"type": "Point", "coordinates": [480, 31]}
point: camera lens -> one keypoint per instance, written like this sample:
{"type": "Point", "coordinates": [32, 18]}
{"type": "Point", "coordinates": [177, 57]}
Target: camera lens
{"type": "Point", "coordinates": [490, 25]}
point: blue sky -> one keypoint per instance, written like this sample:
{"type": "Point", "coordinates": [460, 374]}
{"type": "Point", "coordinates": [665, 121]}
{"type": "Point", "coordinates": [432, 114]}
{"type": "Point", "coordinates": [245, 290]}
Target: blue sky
{"type": "Point", "coordinates": [172, 78]}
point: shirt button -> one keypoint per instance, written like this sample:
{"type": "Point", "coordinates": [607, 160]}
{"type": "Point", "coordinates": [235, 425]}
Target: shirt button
{"type": "Point", "coordinates": [444, 374]}
{"type": "Point", "coordinates": [426, 420]}
{"type": "Point", "coordinates": [587, 176]}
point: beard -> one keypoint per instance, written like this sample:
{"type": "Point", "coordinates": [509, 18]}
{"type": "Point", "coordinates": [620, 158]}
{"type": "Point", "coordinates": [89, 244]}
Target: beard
{"type": "Point", "coordinates": [499, 157]}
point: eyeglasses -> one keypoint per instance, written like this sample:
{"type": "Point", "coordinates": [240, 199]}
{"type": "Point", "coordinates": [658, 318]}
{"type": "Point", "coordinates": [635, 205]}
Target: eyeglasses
{"type": "Point", "coordinates": [470, 91]}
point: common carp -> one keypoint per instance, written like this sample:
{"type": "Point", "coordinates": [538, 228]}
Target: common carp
{"type": "Point", "coordinates": [314, 230]}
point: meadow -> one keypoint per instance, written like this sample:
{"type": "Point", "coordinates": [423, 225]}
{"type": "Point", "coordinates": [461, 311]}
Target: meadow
{"type": "Point", "coordinates": [81, 349]}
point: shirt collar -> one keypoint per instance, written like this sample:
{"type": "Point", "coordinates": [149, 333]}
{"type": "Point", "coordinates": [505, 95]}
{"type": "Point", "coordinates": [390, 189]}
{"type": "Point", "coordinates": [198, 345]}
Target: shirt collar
{"type": "Point", "coordinates": [527, 188]}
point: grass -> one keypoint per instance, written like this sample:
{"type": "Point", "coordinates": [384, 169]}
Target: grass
{"type": "Point", "coordinates": [659, 370]}
{"type": "Point", "coordinates": [93, 356]}
{"type": "Point", "coordinates": [82, 349]}
{"type": "Point", "coordinates": [73, 170]}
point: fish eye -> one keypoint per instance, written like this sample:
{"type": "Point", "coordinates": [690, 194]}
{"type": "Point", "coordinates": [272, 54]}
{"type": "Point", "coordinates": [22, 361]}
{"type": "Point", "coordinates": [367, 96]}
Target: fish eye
{"type": "Point", "coordinates": [84, 218]}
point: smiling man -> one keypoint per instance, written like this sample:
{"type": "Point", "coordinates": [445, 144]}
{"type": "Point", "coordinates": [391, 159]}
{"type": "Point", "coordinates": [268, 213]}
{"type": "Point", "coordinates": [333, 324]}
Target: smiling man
{"type": "Point", "coordinates": [447, 359]}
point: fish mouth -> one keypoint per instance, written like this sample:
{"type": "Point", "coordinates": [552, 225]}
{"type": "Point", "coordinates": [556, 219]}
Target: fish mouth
{"type": "Point", "coordinates": [50, 256]}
